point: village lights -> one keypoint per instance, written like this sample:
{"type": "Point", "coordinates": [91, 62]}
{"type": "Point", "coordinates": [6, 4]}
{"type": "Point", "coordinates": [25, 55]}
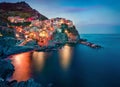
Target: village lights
{"type": "Point", "coordinates": [17, 35]}
{"type": "Point", "coordinates": [43, 34]}
{"type": "Point", "coordinates": [41, 31]}
{"type": "Point", "coordinates": [66, 31]}
{"type": "Point", "coordinates": [1, 35]}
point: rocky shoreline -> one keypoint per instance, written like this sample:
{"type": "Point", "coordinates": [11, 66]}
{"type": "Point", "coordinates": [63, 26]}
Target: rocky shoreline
{"type": "Point", "coordinates": [92, 45]}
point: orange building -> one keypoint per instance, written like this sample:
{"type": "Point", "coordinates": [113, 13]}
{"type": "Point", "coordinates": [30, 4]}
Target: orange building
{"type": "Point", "coordinates": [43, 38]}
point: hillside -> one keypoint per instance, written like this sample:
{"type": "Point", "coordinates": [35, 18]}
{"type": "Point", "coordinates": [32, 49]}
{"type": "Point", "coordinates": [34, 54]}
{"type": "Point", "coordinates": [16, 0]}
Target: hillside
{"type": "Point", "coordinates": [21, 9]}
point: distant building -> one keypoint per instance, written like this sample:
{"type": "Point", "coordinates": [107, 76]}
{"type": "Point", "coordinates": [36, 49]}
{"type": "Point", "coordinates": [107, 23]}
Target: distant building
{"type": "Point", "coordinates": [16, 19]}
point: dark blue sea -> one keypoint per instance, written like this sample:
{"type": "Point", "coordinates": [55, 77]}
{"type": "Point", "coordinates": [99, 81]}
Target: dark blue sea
{"type": "Point", "coordinates": [73, 66]}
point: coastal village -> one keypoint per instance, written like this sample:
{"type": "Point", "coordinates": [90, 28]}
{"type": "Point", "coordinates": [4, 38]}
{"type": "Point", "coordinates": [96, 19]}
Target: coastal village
{"type": "Point", "coordinates": [41, 31]}
{"type": "Point", "coordinates": [23, 29]}
{"type": "Point", "coordinates": [27, 25]}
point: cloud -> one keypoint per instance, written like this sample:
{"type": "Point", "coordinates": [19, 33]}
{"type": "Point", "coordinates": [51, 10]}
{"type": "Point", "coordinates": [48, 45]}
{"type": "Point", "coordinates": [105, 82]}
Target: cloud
{"type": "Point", "coordinates": [79, 9]}
{"type": "Point", "coordinates": [48, 2]}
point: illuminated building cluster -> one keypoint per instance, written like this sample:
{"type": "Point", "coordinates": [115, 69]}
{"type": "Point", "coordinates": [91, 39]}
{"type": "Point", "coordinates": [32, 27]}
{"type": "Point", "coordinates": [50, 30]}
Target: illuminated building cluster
{"type": "Point", "coordinates": [41, 31]}
{"type": "Point", "coordinates": [16, 19]}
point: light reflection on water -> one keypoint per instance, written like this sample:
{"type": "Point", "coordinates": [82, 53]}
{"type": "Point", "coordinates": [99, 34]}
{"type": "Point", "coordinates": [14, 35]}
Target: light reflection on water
{"type": "Point", "coordinates": [26, 63]}
{"type": "Point", "coordinates": [38, 59]}
{"type": "Point", "coordinates": [22, 64]}
{"type": "Point", "coordinates": [65, 56]}
{"type": "Point", "coordinates": [86, 68]}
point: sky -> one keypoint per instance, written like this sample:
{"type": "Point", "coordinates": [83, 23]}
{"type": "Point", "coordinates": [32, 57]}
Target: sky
{"type": "Point", "coordinates": [89, 16]}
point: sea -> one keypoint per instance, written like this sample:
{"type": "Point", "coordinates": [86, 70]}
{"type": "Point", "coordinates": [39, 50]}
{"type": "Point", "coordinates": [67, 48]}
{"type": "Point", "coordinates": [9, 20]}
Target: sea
{"type": "Point", "coordinates": [73, 66]}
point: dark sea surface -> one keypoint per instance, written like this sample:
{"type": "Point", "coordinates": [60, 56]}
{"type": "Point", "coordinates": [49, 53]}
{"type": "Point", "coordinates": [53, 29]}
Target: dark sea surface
{"type": "Point", "coordinates": [73, 66]}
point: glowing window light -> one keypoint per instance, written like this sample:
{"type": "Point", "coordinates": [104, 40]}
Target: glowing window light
{"type": "Point", "coordinates": [51, 28]}
{"type": "Point", "coordinates": [43, 34]}
{"type": "Point", "coordinates": [66, 31]}
{"type": "Point", "coordinates": [1, 35]}
{"type": "Point", "coordinates": [17, 35]}
{"type": "Point", "coordinates": [32, 35]}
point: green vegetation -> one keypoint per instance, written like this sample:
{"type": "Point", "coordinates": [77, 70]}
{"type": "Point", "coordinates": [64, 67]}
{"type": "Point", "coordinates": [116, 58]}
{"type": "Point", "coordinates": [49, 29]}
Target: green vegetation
{"type": "Point", "coordinates": [60, 37]}
{"type": "Point", "coordinates": [20, 24]}
{"type": "Point", "coordinates": [5, 15]}
{"type": "Point", "coordinates": [7, 32]}
{"type": "Point", "coordinates": [72, 30]}
{"type": "Point", "coordinates": [19, 13]}
{"type": "Point", "coordinates": [64, 27]}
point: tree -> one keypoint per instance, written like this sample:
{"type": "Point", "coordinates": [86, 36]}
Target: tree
{"type": "Point", "coordinates": [60, 37]}
{"type": "Point", "coordinates": [64, 27]}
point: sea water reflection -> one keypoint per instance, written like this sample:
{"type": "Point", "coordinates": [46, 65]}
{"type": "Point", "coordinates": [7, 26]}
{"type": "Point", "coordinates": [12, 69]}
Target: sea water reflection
{"type": "Point", "coordinates": [38, 60]}
{"type": "Point", "coordinates": [22, 64]}
{"type": "Point", "coordinates": [26, 63]}
{"type": "Point", "coordinates": [65, 56]}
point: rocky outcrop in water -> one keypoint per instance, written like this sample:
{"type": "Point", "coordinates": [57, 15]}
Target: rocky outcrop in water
{"type": "Point", "coordinates": [14, 83]}
{"type": "Point", "coordinates": [6, 69]}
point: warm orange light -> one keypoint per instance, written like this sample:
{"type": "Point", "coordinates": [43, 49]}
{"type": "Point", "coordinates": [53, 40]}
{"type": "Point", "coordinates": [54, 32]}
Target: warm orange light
{"type": "Point", "coordinates": [26, 36]}
{"type": "Point", "coordinates": [22, 66]}
{"type": "Point", "coordinates": [51, 28]}
{"type": "Point", "coordinates": [19, 29]}
{"type": "Point", "coordinates": [30, 25]}
{"type": "Point", "coordinates": [65, 56]}
{"type": "Point", "coordinates": [43, 34]}
{"type": "Point", "coordinates": [17, 35]}
{"type": "Point", "coordinates": [1, 35]}
{"type": "Point", "coordinates": [38, 60]}
{"type": "Point", "coordinates": [44, 30]}
{"type": "Point", "coordinates": [66, 31]}
{"type": "Point", "coordinates": [32, 35]}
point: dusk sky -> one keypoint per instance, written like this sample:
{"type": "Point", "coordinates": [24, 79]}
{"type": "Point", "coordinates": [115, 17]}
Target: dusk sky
{"type": "Point", "coordinates": [89, 16]}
